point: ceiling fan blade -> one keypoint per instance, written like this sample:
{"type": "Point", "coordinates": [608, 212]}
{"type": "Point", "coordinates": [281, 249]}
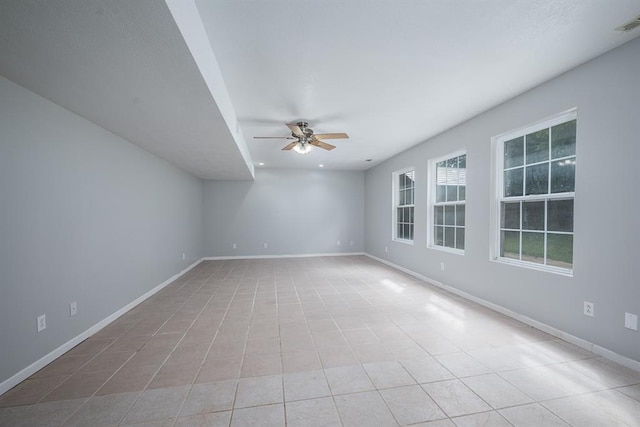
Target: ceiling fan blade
{"type": "Point", "coordinates": [290, 146]}
{"type": "Point", "coordinates": [295, 129]}
{"type": "Point", "coordinates": [322, 144]}
{"type": "Point", "coordinates": [273, 137]}
{"type": "Point", "coordinates": [332, 136]}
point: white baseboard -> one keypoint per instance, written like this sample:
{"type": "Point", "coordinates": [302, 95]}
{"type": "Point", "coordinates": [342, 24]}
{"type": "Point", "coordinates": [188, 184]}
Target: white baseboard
{"type": "Point", "coordinates": [587, 345]}
{"type": "Point", "coordinates": [222, 258]}
{"type": "Point", "coordinates": [25, 373]}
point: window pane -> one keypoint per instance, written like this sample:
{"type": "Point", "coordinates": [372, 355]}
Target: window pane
{"type": "Point", "coordinates": [449, 237]}
{"type": "Point", "coordinates": [460, 238]}
{"type": "Point", "coordinates": [401, 197]}
{"type": "Point", "coordinates": [514, 152]}
{"type": "Point", "coordinates": [533, 216]}
{"type": "Point", "coordinates": [402, 181]}
{"type": "Point", "coordinates": [439, 236]}
{"type": "Point", "coordinates": [410, 215]}
{"type": "Point", "coordinates": [533, 247]}
{"type": "Point", "coordinates": [538, 179]}
{"type": "Point", "coordinates": [399, 232]}
{"type": "Point", "coordinates": [409, 197]}
{"type": "Point", "coordinates": [405, 231]}
{"type": "Point", "coordinates": [452, 171]}
{"type": "Point", "coordinates": [410, 179]}
{"type": "Point", "coordinates": [410, 235]}
{"type": "Point", "coordinates": [563, 175]}
{"type": "Point", "coordinates": [449, 215]}
{"type": "Point", "coordinates": [560, 215]}
{"type": "Point", "coordinates": [537, 146]}
{"type": "Point", "coordinates": [439, 215]}
{"type": "Point", "coordinates": [510, 244]}
{"type": "Point", "coordinates": [462, 162]}
{"type": "Point", "coordinates": [462, 192]}
{"type": "Point", "coordinates": [510, 216]}
{"type": "Point", "coordinates": [563, 140]}
{"type": "Point", "coordinates": [560, 250]}
{"type": "Point", "coordinates": [441, 181]}
{"type": "Point", "coordinates": [452, 193]}
{"type": "Point", "coordinates": [399, 212]}
{"type": "Point", "coordinates": [460, 215]}
{"type": "Point", "coordinates": [513, 182]}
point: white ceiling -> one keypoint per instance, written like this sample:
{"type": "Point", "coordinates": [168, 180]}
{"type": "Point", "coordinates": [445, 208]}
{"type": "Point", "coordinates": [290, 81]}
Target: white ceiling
{"type": "Point", "coordinates": [393, 73]}
{"type": "Point", "coordinates": [389, 73]}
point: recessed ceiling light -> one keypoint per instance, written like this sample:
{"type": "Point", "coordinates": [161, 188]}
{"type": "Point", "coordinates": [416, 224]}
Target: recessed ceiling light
{"type": "Point", "coordinates": [260, 164]}
{"type": "Point", "coordinates": [320, 165]}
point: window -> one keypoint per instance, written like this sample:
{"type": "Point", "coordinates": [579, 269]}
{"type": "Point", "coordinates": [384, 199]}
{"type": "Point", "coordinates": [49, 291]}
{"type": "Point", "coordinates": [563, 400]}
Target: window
{"type": "Point", "coordinates": [404, 191]}
{"type": "Point", "coordinates": [535, 194]}
{"type": "Point", "coordinates": [447, 202]}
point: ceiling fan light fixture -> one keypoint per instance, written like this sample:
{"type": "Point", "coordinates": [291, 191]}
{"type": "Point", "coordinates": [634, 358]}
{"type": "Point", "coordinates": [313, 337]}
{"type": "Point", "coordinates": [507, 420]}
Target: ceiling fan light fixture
{"type": "Point", "coordinates": [302, 148]}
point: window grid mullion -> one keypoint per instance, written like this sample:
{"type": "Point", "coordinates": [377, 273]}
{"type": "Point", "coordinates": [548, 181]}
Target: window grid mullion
{"type": "Point", "coordinates": [546, 202]}
{"type": "Point", "coordinates": [554, 159]}
{"type": "Point", "coordinates": [548, 178]}
{"type": "Point", "coordinates": [524, 166]}
{"type": "Point", "coordinates": [520, 231]}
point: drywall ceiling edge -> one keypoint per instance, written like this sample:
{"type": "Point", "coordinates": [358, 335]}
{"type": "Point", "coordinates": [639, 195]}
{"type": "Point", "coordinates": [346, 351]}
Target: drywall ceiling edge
{"type": "Point", "coordinates": [187, 18]}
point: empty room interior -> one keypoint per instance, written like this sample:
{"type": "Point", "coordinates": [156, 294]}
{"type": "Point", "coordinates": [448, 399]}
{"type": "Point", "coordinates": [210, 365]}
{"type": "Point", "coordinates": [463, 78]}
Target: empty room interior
{"type": "Point", "coordinates": [319, 213]}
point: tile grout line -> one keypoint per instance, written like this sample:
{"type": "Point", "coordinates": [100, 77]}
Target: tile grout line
{"type": "Point", "coordinates": [168, 356]}
{"type": "Point", "coordinates": [246, 343]}
{"type": "Point", "coordinates": [210, 345]}
{"type": "Point", "coordinates": [109, 378]}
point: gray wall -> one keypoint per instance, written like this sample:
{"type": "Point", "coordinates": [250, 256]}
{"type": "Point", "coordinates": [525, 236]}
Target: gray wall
{"type": "Point", "coordinates": [294, 211]}
{"type": "Point", "coordinates": [84, 216]}
{"type": "Point", "coordinates": [606, 92]}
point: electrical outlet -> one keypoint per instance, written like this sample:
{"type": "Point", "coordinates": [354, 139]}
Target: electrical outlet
{"type": "Point", "coordinates": [42, 323]}
{"type": "Point", "coordinates": [235, 246]}
{"type": "Point", "coordinates": [266, 245]}
{"type": "Point", "coordinates": [589, 309]}
{"type": "Point", "coordinates": [73, 308]}
{"type": "Point", "coordinates": [386, 249]}
{"type": "Point", "coordinates": [442, 266]}
{"type": "Point", "coordinates": [184, 256]}
{"type": "Point", "coordinates": [338, 243]}
{"type": "Point", "coordinates": [631, 321]}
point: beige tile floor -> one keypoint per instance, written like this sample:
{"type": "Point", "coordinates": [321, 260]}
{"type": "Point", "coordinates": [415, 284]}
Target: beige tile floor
{"type": "Point", "coordinates": [320, 342]}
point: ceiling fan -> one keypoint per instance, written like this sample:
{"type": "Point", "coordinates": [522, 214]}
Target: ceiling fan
{"type": "Point", "coordinates": [305, 139]}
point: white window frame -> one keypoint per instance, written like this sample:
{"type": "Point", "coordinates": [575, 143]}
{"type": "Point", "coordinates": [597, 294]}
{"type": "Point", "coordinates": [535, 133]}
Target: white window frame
{"type": "Point", "coordinates": [498, 176]}
{"type": "Point", "coordinates": [431, 185]}
{"type": "Point", "coordinates": [394, 204]}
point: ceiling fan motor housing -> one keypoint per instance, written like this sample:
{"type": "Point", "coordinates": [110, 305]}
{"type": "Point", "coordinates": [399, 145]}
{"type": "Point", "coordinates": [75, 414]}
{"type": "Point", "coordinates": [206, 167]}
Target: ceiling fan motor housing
{"type": "Point", "coordinates": [306, 130]}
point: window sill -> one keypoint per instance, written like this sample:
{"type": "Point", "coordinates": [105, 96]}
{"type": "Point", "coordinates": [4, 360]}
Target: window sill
{"type": "Point", "coordinates": [446, 249]}
{"type": "Point", "coordinates": [406, 242]}
{"type": "Point", "coordinates": [533, 266]}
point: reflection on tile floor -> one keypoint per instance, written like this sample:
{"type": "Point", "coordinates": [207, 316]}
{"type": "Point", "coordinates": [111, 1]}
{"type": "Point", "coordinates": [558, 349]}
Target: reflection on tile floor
{"type": "Point", "coordinates": [320, 341]}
